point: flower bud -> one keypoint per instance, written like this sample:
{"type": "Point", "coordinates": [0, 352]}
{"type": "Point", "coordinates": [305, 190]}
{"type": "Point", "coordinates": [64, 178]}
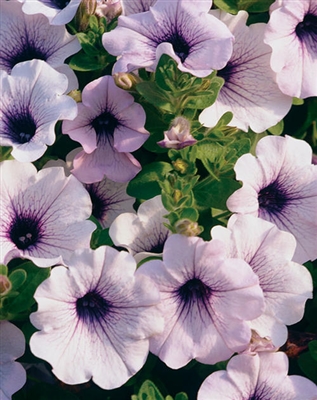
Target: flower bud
{"type": "Point", "coordinates": [180, 165]}
{"type": "Point", "coordinates": [124, 80]}
{"type": "Point", "coordinates": [5, 285]}
{"type": "Point", "coordinates": [178, 136]}
{"type": "Point", "coordinates": [187, 227]}
{"type": "Point", "coordinates": [109, 9]}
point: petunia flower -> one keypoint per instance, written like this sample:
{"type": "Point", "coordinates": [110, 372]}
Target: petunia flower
{"type": "Point", "coordinates": [12, 346]}
{"type": "Point", "coordinates": [42, 214]}
{"type": "Point", "coordinates": [95, 318]}
{"type": "Point", "coordinates": [32, 102]}
{"type": "Point", "coordinates": [146, 234]}
{"type": "Point", "coordinates": [184, 30]}
{"type": "Point", "coordinates": [136, 6]}
{"type": "Point", "coordinates": [292, 34]}
{"type": "Point", "coordinates": [206, 299]}
{"type": "Point", "coordinates": [109, 199]}
{"type": "Point", "coordinates": [260, 376]}
{"type": "Point", "coordinates": [27, 37]}
{"type": "Point", "coordinates": [286, 285]}
{"type": "Point", "coordinates": [58, 12]}
{"type": "Point", "coordinates": [109, 125]}
{"type": "Point", "coordinates": [108, 9]}
{"type": "Point", "coordinates": [250, 91]}
{"type": "Point", "coordinates": [280, 185]}
{"type": "Point", "coordinates": [178, 136]}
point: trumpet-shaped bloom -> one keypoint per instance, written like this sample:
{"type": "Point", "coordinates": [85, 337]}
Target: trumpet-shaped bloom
{"type": "Point", "coordinates": [292, 34]}
{"type": "Point", "coordinates": [42, 214]}
{"type": "Point", "coordinates": [286, 285]}
{"type": "Point", "coordinates": [58, 12]}
{"type": "Point", "coordinates": [206, 299]}
{"type": "Point", "coordinates": [136, 6]}
{"type": "Point", "coordinates": [25, 37]}
{"type": "Point", "coordinates": [146, 234]}
{"type": "Point", "coordinates": [184, 30]}
{"type": "Point", "coordinates": [109, 125]}
{"type": "Point", "coordinates": [250, 91]}
{"type": "Point", "coordinates": [12, 346]}
{"type": "Point", "coordinates": [261, 376]}
{"type": "Point", "coordinates": [32, 102]}
{"type": "Point", "coordinates": [280, 185]}
{"type": "Point", "coordinates": [95, 318]}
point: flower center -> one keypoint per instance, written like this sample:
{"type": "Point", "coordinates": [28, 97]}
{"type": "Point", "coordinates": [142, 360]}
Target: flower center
{"type": "Point", "coordinates": [100, 205]}
{"type": "Point", "coordinates": [272, 198]}
{"type": "Point", "coordinates": [227, 71]}
{"type": "Point", "coordinates": [26, 53]}
{"type": "Point", "coordinates": [24, 232]}
{"type": "Point", "coordinates": [105, 125]}
{"type": "Point", "coordinates": [180, 46]}
{"type": "Point", "coordinates": [194, 290]}
{"type": "Point", "coordinates": [57, 4]}
{"type": "Point", "coordinates": [307, 28]}
{"type": "Point", "coordinates": [20, 128]}
{"type": "Point", "coordinates": [92, 307]}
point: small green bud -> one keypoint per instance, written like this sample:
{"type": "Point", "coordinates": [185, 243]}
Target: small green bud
{"type": "Point", "coordinates": [187, 227]}
{"type": "Point", "coordinates": [5, 285]}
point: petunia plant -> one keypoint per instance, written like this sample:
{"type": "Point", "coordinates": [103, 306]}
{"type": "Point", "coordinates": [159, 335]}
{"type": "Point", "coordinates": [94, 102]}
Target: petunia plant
{"type": "Point", "coordinates": [158, 199]}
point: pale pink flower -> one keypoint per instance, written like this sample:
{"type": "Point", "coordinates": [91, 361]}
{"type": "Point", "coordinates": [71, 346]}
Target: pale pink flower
{"type": "Point", "coordinates": [146, 234]}
{"type": "Point", "coordinates": [184, 30]}
{"type": "Point", "coordinates": [178, 136]}
{"type": "Point", "coordinates": [269, 251]}
{"type": "Point", "coordinates": [292, 34]}
{"type": "Point", "coordinates": [250, 91]}
{"type": "Point", "coordinates": [58, 12]}
{"type": "Point", "coordinates": [12, 346]}
{"type": "Point", "coordinates": [32, 102]}
{"type": "Point", "coordinates": [206, 299]}
{"type": "Point", "coordinates": [260, 376]}
{"type": "Point", "coordinates": [136, 6]}
{"type": "Point", "coordinates": [109, 126]}
{"type": "Point", "coordinates": [280, 185]}
{"type": "Point", "coordinates": [42, 214]}
{"type": "Point", "coordinates": [95, 318]}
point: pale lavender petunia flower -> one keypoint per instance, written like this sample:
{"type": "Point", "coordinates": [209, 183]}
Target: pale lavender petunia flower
{"type": "Point", "coordinates": [109, 126]}
{"type": "Point", "coordinates": [178, 136]}
{"type": "Point", "coordinates": [206, 299]}
{"type": "Point", "coordinates": [286, 285]}
{"type": "Point", "coordinates": [136, 6]}
{"type": "Point", "coordinates": [261, 376]}
{"type": "Point", "coordinates": [109, 199]}
{"type": "Point", "coordinates": [95, 318]}
{"type": "Point", "coordinates": [32, 102]}
{"type": "Point", "coordinates": [250, 91]}
{"type": "Point", "coordinates": [26, 37]}
{"type": "Point", "coordinates": [292, 34]}
{"type": "Point", "coordinates": [12, 346]}
{"type": "Point", "coordinates": [43, 214]}
{"type": "Point", "coordinates": [184, 30]}
{"type": "Point", "coordinates": [108, 9]}
{"type": "Point", "coordinates": [58, 12]}
{"type": "Point", "coordinates": [280, 185]}
{"type": "Point", "coordinates": [144, 233]}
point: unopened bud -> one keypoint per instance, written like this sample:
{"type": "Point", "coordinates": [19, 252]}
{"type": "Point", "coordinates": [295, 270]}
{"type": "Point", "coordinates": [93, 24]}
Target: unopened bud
{"type": "Point", "coordinates": [187, 227]}
{"type": "Point", "coordinates": [124, 80]}
{"type": "Point", "coordinates": [180, 165]}
{"type": "Point", "coordinates": [177, 195]}
{"type": "Point", "coordinates": [109, 9]}
{"type": "Point", "coordinates": [76, 95]}
{"type": "Point", "coordinates": [5, 285]}
{"type": "Point", "coordinates": [178, 136]}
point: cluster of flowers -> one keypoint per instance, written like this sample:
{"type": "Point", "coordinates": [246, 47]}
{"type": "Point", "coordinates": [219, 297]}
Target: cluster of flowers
{"type": "Point", "coordinates": [102, 311]}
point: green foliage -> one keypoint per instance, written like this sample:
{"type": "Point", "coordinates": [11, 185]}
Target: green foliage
{"type": "Point", "coordinates": [252, 6]}
{"type": "Point", "coordinates": [24, 279]}
{"type": "Point", "coordinates": [148, 391]}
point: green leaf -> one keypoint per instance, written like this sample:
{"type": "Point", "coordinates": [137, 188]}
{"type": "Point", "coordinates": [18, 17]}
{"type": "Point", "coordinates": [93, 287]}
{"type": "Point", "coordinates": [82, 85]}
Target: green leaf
{"type": "Point", "coordinates": [308, 365]}
{"type": "Point", "coordinates": [181, 396]}
{"type": "Point", "coordinates": [100, 237]}
{"type": "Point", "coordinates": [151, 92]}
{"type": "Point", "coordinates": [201, 100]}
{"type": "Point", "coordinates": [3, 269]}
{"type": "Point", "coordinates": [233, 6]}
{"type": "Point", "coordinates": [210, 193]}
{"type": "Point", "coordinates": [148, 391]}
{"type": "Point", "coordinates": [277, 129]}
{"type": "Point", "coordinates": [17, 278]}
{"type": "Point", "coordinates": [313, 349]}
{"type": "Point", "coordinates": [145, 185]}
{"type": "Point", "coordinates": [84, 62]}
{"type": "Point", "coordinates": [35, 276]}
{"type": "Point", "coordinates": [189, 213]}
